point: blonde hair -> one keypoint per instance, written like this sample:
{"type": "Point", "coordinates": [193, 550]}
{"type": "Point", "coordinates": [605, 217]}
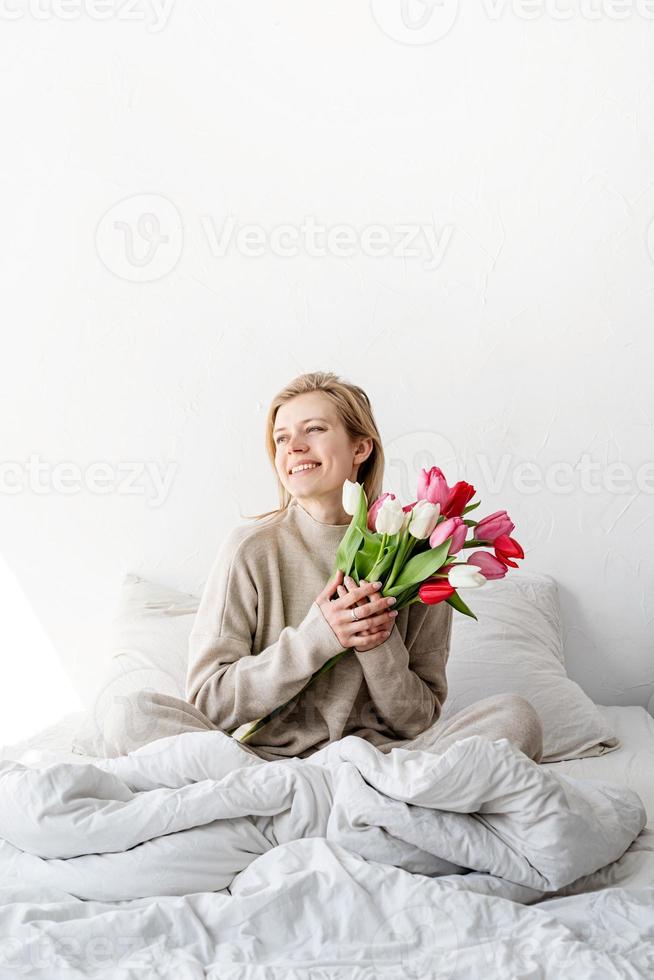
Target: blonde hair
{"type": "Point", "coordinates": [355, 412]}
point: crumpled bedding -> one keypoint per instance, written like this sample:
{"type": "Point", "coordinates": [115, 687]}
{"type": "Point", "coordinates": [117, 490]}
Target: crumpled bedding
{"type": "Point", "coordinates": [198, 821]}
{"type": "Point", "coordinates": [351, 860]}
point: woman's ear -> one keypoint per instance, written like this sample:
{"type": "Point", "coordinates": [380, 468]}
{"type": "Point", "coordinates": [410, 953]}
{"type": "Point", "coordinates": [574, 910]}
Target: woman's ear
{"type": "Point", "coordinates": [363, 450]}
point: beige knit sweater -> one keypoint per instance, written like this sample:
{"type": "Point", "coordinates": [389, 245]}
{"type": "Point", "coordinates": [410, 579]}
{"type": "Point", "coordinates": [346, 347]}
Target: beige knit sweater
{"type": "Point", "coordinates": [259, 635]}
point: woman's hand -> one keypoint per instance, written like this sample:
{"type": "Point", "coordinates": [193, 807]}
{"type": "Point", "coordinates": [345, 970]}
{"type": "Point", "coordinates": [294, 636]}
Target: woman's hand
{"type": "Point", "coordinates": [375, 616]}
{"type": "Point", "coordinates": [379, 633]}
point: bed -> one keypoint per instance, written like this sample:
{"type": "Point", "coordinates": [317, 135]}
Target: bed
{"type": "Point", "coordinates": [600, 926]}
{"type": "Point", "coordinates": [335, 904]}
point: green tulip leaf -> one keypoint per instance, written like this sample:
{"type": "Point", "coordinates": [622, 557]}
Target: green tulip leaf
{"type": "Point", "coordinates": [371, 565]}
{"type": "Point", "coordinates": [405, 597]}
{"type": "Point", "coordinates": [348, 548]}
{"type": "Point", "coordinates": [361, 514]}
{"type": "Point", "coordinates": [421, 566]}
{"type": "Point", "coordinates": [351, 540]}
{"type": "Point", "coordinates": [367, 553]}
{"type": "Point", "coordinates": [383, 566]}
{"type": "Point", "coordinates": [466, 510]}
{"type": "Point", "coordinates": [365, 559]}
{"type": "Point", "coordinates": [457, 603]}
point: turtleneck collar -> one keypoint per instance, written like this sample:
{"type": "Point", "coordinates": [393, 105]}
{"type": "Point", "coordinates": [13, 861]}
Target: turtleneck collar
{"type": "Point", "coordinates": [302, 513]}
{"type": "Point", "coordinates": [313, 531]}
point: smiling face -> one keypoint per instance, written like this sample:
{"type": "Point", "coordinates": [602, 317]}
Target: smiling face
{"type": "Point", "coordinates": [308, 428]}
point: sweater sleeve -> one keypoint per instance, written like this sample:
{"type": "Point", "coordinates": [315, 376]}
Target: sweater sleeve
{"type": "Point", "coordinates": [408, 683]}
{"type": "Point", "coordinates": [224, 679]}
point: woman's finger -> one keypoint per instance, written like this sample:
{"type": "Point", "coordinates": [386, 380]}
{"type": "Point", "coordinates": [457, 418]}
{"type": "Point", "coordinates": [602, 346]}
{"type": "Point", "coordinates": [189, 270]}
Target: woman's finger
{"type": "Point", "coordinates": [370, 642]}
{"type": "Point", "coordinates": [330, 588]}
{"type": "Point", "coordinates": [356, 593]}
{"type": "Point", "coordinates": [349, 585]}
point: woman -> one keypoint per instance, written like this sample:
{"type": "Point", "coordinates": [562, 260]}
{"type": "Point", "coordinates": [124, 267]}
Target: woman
{"type": "Point", "coordinates": [270, 615]}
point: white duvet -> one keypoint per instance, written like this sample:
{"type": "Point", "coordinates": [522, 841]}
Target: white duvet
{"type": "Point", "coordinates": [351, 863]}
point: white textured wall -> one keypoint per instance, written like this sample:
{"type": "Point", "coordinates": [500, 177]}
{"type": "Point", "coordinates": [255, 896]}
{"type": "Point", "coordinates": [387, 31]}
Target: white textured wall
{"type": "Point", "coordinates": [516, 327]}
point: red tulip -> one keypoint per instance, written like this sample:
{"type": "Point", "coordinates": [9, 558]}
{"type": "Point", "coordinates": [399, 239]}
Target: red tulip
{"type": "Point", "coordinates": [432, 592]}
{"type": "Point", "coordinates": [507, 548]}
{"type": "Point", "coordinates": [458, 497]}
{"type": "Point", "coordinates": [491, 527]}
{"type": "Point", "coordinates": [490, 566]}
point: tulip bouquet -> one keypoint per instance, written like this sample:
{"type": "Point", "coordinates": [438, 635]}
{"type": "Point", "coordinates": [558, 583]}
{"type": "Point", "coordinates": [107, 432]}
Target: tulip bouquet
{"type": "Point", "coordinates": [413, 550]}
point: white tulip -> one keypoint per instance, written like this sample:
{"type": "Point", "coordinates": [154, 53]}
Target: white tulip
{"type": "Point", "coordinates": [423, 519]}
{"type": "Point", "coordinates": [351, 493]}
{"type": "Point", "coordinates": [465, 577]}
{"type": "Point", "coordinates": [390, 517]}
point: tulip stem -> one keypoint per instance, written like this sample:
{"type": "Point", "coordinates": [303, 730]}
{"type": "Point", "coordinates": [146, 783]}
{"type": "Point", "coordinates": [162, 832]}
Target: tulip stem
{"type": "Point", "coordinates": [407, 542]}
{"type": "Point", "coordinates": [411, 601]}
{"type": "Point", "coordinates": [273, 714]}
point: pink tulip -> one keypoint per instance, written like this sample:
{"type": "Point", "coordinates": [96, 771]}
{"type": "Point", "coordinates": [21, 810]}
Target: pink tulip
{"type": "Point", "coordinates": [453, 527]}
{"type": "Point", "coordinates": [489, 566]}
{"type": "Point", "coordinates": [372, 513]}
{"type": "Point", "coordinates": [432, 486]}
{"type": "Point", "coordinates": [491, 527]}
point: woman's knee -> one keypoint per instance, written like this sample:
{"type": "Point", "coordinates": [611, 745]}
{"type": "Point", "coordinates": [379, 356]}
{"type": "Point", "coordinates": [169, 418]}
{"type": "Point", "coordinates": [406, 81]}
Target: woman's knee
{"type": "Point", "coordinates": [129, 722]}
{"type": "Point", "coordinates": [528, 724]}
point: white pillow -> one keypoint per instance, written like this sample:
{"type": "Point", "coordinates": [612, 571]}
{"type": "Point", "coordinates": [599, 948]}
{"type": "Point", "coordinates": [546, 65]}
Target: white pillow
{"type": "Point", "coordinates": [517, 646]}
{"type": "Point", "coordinates": [149, 637]}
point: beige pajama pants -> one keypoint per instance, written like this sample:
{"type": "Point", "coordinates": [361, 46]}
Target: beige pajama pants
{"type": "Point", "coordinates": [144, 716]}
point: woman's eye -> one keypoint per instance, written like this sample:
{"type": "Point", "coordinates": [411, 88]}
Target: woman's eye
{"type": "Point", "coordinates": [320, 428]}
